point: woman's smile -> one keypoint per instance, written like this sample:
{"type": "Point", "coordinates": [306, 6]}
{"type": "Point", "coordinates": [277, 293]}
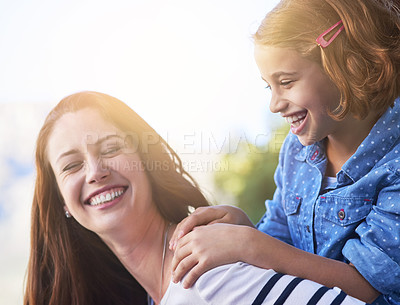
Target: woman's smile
{"type": "Point", "coordinates": [100, 191]}
{"type": "Point", "coordinates": [106, 197]}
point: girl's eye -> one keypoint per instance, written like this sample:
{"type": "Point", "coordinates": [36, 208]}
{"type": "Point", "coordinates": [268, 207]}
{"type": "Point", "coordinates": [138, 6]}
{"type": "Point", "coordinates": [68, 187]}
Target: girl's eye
{"type": "Point", "coordinates": [285, 82]}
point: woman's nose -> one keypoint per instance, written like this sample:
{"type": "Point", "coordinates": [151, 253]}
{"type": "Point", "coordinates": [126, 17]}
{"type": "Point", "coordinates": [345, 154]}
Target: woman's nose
{"type": "Point", "coordinates": [96, 170]}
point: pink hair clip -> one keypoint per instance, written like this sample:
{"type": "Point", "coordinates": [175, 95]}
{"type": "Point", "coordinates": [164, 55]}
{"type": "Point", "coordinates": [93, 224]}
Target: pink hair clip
{"type": "Point", "coordinates": [322, 42]}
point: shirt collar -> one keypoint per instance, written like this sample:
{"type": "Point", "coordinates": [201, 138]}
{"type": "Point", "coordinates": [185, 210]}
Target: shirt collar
{"type": "Point", "coordinates": [376, 145]}
{"type": "Point", "coordinates": [312, 153]}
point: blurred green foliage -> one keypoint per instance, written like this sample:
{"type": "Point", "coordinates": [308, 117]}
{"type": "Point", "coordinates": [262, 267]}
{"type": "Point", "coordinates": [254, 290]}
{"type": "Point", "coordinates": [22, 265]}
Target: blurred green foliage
{"type": "Point", "coordinates": [250, 175]}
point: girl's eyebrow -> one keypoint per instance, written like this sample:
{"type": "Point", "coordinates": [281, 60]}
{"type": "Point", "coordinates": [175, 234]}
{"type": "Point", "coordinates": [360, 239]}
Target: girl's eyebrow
{"type": "Point", "coordinates": [278, 74]}
{"type": "Point", "coordinates": [282, 73]}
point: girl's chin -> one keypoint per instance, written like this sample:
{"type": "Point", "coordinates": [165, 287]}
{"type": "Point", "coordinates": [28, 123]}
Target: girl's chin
{"type": "Point", "coordinates": [306, 141]}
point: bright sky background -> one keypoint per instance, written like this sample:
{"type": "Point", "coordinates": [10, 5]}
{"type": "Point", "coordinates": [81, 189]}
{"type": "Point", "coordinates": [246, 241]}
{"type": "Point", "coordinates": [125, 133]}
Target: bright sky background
{"type": "Point", "coordinates": [176, 62]}
{"type": "Point", "coordinates": [185, 66]}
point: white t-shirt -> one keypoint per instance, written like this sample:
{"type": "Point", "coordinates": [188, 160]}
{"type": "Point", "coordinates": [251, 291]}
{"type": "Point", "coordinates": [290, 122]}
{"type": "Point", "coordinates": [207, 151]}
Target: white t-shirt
{"type": "Point", "coordinates": [240, 284]}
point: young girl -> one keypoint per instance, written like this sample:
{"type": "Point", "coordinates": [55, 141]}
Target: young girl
{"type": "Point", "coordinates": [333, 68]}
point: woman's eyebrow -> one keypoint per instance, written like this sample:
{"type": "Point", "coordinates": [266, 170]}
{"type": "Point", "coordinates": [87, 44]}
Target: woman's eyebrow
{"type": "Point", "coordinates": [67, 153]}
{"type": "Point", "coordinates": [76, 151]}
{"type": "Point", "coordinates": [108, 137]}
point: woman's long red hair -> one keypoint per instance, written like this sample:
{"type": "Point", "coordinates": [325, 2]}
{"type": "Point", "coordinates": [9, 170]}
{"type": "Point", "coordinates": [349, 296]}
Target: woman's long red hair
{"type": "Point", "coordinates": [70, 265]}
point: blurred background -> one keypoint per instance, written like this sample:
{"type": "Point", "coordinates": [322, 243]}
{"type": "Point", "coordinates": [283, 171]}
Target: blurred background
{"type": "Point", "coordinates": [185, 66]}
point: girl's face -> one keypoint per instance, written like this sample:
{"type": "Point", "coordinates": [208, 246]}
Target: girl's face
{"type": "Point", "coordinates": [301, 92]}
{"type": "Point", "coordinates": [98, 172]}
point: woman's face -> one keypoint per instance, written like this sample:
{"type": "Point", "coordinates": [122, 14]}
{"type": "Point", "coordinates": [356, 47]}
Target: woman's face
{"type": "Point", "coordinates": [98, 172]}
{"type": "Point", "coordinates": [301, 92]}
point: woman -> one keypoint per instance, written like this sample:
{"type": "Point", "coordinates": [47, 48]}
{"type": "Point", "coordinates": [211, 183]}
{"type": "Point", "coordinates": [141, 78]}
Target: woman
{"type": "Point", "coordinates": [109, 192]}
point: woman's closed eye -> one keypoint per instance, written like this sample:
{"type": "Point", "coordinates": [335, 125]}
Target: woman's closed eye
{"type": "Point", "coordinates": [73, 166]}
{"type": "Point", "coordinates": [111, 151]}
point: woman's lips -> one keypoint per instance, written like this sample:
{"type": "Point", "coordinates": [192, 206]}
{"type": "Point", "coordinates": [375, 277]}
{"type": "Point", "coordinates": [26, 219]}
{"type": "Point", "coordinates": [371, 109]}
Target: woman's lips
{"type": "Point", "coordinates": [105, 196]}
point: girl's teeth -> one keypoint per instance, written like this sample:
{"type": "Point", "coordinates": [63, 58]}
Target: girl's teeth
{"type": "Point", "coordinates": [295, 119]}
{"type": "Point", "coordinates": [297, 123]}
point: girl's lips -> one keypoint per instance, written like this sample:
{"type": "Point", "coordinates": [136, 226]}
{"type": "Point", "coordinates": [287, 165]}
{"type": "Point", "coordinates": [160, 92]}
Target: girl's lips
{"type": "Point", "coordinates": [296, 116]}
{"type": "Point", "coordinates": [297, 126]}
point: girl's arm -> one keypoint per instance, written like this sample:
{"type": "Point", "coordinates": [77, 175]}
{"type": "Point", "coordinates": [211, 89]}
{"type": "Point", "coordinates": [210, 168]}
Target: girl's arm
{"type": "Point", "coordinates": [272, 253]}
{"type": "Point", "coordinates": [209, 215]}
{"type": "Point", "coordinates": [232, 243]}
{"type": "Point", "coordinates": [274, 221]}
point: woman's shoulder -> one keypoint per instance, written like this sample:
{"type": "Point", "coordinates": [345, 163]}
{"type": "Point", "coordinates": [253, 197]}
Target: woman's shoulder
{"type": "Point", "coordinates": [241, 283]}
{"type": "Point", "coordinates": [237, 283]}
{"type": "Point", "coordinates": [233, 283]}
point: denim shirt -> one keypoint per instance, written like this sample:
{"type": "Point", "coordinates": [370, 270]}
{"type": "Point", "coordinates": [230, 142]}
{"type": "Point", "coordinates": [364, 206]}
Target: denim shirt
{"type": "Point", "coordinates": [358, 220]}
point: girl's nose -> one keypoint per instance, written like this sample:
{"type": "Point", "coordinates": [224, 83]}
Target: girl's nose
{"type": "Point", "coordinates": [277, 104]}
{"type": "Point", "coordinates": [96, 170]}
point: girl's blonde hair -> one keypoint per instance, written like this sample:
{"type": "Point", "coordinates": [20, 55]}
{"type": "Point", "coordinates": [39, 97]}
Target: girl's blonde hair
{"type": "Point", "coordinates": [364, 59]}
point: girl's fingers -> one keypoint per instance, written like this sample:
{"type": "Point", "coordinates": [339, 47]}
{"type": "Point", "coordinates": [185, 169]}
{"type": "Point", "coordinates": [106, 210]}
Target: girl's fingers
{"type": "Point", "coordinates": [183, 267]}
{"type": "Point", "coordinates": [180, 253]}
{"type": "Point", "coordinates": [193, 275]}
{"type": "Point", "coordinates": [196, 253]}
{"type": "Point", "coordinates": [201, 216]}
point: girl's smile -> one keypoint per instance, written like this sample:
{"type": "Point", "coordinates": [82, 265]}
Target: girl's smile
{"type": "Point", "coordinates": [297, 121]}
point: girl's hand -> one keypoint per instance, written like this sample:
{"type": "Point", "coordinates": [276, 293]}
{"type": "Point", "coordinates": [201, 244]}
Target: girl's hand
{"type": "Point", "coordinates": [207, 247]}
{"type": "Point", "coordinates": [209, 215]}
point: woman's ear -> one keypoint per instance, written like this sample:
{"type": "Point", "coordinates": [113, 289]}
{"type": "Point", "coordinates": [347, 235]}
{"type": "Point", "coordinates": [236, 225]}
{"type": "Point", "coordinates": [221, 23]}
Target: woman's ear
{"type": "Point", "coordinates": [67, 213]}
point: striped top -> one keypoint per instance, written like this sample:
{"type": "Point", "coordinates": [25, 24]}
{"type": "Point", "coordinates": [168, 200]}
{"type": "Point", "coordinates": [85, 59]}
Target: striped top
{"type": "Point", "coordinates": [244, 284]}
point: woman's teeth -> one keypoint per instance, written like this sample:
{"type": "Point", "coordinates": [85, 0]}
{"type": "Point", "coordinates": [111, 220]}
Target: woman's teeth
{"type": "Point", "coordinates": [296, 119]}
{"type": "Point", "coordinates": [106, 196]}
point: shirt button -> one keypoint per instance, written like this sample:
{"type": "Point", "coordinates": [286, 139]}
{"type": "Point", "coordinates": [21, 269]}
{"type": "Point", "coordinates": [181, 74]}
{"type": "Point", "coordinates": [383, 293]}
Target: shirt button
{"type": "Point", "coordinates": [308, 229]}
{"type": "Point", "coordinates": [341, 214]}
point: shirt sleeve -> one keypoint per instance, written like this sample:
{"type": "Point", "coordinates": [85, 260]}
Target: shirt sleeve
{"type": "Point", "coordinates": [376, 253]}
{"type": "Point", "coordinates": [274, 221]}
